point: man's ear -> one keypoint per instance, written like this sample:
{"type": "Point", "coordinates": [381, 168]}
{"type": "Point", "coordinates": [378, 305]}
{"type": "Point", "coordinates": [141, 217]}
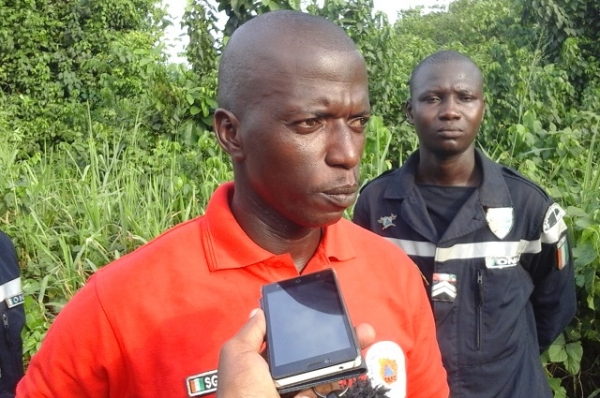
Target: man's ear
{"type": "Point", "coordinates": [484, 110]}
{"type": "Point", "coordinates": [226, 126]}
{"type": "Point", "coordinates": [408, 110]}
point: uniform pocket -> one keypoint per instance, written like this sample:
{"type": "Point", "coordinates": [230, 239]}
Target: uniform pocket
{"type": "Point", "coordinates": [503, 316]}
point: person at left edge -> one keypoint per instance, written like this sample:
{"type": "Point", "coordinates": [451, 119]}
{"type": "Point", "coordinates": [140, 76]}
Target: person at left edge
{"type": "Point", "coordinates": [12, 319]}
{"type": "Point", "coordinates": [293, 103]}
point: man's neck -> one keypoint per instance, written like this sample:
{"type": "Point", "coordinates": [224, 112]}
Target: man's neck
{"type": "Point", "coordinates": [460, 170]}
{"type": "Point", "coordinates": [269, 231]}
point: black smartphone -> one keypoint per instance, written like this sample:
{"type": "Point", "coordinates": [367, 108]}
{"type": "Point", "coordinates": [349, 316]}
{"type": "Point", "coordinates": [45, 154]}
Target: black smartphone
{"type": "Point", "coordinates": [310, 338]}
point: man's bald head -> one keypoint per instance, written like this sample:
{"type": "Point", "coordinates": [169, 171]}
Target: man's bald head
{"type": "Point", "coordinates": [444, 57]}
{"type": "Point", "coordinates": [253, 49]}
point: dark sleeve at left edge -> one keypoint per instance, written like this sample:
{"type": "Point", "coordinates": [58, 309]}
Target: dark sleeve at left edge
{"type": "Point", "coordinates": [9, 265]}
{"type": "Point", "coordinates": [12, 319]}
{"type": "Point", "coordinates": [553, 298]}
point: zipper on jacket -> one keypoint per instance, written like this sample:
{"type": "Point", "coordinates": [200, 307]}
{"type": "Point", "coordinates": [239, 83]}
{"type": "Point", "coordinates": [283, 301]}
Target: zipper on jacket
{"type": "Point", "coordinates": [479, 307]}
{"type": "Point", "coordinates": [9, 342]}
{"type": "Point", "coordinates": [6, 330]}
{"type": "Point", "coordinates": [5, 326]}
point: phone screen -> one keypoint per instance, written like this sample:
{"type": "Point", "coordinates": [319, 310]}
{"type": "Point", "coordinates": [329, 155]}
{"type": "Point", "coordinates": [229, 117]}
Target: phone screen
{"type": "Point", "coordinates": [307, 324]}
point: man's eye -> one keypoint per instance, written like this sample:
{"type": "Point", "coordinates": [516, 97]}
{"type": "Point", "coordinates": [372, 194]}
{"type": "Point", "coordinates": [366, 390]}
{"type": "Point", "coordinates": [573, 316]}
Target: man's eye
{"type": "Point", "coordinates": [360, 121]}
{"type": "Point", "coordinates": [431, 100]}
{"type": "Point", "coordinates": [308, 123]}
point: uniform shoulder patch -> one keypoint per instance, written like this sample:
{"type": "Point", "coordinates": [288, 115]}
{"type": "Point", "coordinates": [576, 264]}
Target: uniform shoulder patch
{"type": "Point", "coordinates": [554, 214]}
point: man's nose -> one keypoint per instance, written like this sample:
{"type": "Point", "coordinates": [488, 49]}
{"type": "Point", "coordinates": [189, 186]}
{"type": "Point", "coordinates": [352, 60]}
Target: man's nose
{"type": "Point", "coordinates": [450, 109]}
{"type": "Point", "coordinates": [345, 145]}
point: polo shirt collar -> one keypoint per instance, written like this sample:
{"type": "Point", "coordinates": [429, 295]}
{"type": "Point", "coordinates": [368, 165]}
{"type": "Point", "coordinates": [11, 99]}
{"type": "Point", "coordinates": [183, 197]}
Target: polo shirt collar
{"type": "Point", "coordinates": [493, 191]}
{"type": "Point", "coordinates": [228, 246]}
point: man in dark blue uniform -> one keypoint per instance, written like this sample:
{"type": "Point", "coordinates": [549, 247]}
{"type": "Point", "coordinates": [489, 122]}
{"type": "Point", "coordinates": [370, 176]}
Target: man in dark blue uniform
{"type": "Point", "coordinates": [491, 245]}
{"type": "Point", "coordinates": [12, 319]}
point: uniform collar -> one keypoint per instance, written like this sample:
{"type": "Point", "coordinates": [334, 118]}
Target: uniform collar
{"type": "Point", "coordinates": [228, 246]}
{"type": "Point", "coordinates": [493, 191]}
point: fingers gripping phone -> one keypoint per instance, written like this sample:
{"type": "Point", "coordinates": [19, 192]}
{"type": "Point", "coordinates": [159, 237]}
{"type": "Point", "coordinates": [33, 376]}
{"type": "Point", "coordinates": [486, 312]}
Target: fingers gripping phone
{"type": "Point", "coordinates": [310, 339]}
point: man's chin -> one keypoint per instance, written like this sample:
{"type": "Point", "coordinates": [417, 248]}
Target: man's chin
{"type": "Point", "coordinates": [325, 220]}
{"type": "Point", "coordinates": [450, 151]}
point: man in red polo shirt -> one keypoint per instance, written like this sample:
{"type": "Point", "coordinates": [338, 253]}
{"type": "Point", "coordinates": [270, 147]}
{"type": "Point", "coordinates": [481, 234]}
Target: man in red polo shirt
{"type": "Point", "coordinates": [293, 103]}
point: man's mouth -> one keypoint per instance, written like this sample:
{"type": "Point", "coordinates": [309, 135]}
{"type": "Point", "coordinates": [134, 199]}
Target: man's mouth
{"type": "Point", "coordinates": [343, 196]}
{"type": "Point", "coordinates": [450, 132]}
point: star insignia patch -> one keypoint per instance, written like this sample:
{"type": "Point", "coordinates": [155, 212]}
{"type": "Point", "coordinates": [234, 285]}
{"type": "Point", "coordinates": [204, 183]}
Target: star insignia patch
{"type": "Point", "coordinates": [387, 221]}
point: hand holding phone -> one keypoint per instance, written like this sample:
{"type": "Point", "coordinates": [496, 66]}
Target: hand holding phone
{"type": "Point", "coordinates": [310, 338]}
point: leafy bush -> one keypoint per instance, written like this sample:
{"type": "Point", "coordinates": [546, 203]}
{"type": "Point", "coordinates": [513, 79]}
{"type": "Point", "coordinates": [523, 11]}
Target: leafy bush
{"type": "Point", "coordinates": [106, 145]}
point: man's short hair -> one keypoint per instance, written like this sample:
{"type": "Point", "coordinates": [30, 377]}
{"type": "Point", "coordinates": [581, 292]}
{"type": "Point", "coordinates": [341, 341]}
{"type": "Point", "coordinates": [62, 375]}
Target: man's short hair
{"type": "Point", "coordinates": [440, 58]}
{"type": "Point", "coordinates": [246, 50]}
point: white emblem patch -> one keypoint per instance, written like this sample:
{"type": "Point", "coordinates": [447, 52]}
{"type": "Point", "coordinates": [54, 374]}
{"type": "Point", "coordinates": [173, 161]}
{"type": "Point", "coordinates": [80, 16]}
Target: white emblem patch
{"type": "Point", "coordinates": [387, 367]}
{"type": "Point", "coordinates": [500, 220]}
{"type": "Point", "coordinates": [554, 214]}
{"type": "Point", "coordinates": [13, 301]}
{"type": "Point", "coordinates": [501, 262]}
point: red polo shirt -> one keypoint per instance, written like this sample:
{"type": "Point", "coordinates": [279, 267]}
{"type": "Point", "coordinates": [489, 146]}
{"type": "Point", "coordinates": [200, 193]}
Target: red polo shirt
{"type": "Point", "coordinates": [151, 323]}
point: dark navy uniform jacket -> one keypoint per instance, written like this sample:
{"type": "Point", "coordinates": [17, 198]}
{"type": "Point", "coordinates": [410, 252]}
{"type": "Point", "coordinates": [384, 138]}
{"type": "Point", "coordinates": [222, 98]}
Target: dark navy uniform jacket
{"type": "Point", "coordinates": [500, 278]}
{"type": "Point", "coordinates": [12, 319]}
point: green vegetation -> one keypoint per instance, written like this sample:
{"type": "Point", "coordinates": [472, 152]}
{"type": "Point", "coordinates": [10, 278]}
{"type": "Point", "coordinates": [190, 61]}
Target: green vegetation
{"type": "Point", "coordinates": [105, 145]}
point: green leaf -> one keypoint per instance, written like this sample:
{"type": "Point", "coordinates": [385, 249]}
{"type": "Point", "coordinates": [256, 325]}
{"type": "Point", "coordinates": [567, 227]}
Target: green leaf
{"type": "Point", "coordinates": [145, 61]}
{"type": "Point", "coordinates": [585, 253]}
{"type": "Point", "coordinates": [555, 385]}
{"type": "Point", "coordinates": [212, 103]}
{"type": "Point", "coordinates": [585, 223]}
{"type": "Point", "coordinates": [557, 352]}
{"type": "Point", "coordinates": [591, 302]}
{"type": "Point", "coordinates": [190, 99]}
{"type": "Point", "coordinates": [574, 353]}
{"type": "Point", "coordinates": [522, 130]}
{"type": "Point", "coordinates": [576, 212]}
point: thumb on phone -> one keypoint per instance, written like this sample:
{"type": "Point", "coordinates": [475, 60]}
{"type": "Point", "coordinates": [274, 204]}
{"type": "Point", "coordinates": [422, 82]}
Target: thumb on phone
{"type": "Point", "coordinates": [365, 334]}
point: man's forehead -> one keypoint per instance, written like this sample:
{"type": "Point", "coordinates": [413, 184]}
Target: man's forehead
{"type": "Point", "coordinates": [308, 60]}
{"type": "Point", "coordinates": [463, 73]}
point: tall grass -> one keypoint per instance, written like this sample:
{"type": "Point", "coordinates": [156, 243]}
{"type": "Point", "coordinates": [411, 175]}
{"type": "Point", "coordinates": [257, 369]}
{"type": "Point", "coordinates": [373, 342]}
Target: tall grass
{"type": "Point", "coordinates": [74, 208]}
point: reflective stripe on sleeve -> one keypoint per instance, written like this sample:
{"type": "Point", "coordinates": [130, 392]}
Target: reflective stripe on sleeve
{"type": "Point", "coordinates": [10, 289]}
{"type": "Point", "coordinates": [465, 251]}
{"type": "Point", "coordinates": [414, 248]}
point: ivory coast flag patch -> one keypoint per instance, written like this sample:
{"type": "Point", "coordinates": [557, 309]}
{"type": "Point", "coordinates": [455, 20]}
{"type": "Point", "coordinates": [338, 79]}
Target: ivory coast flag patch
{"type": "Point", "coordinates": [202, 384]}
{"type": "Point", "coordinates": [562, 252]}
